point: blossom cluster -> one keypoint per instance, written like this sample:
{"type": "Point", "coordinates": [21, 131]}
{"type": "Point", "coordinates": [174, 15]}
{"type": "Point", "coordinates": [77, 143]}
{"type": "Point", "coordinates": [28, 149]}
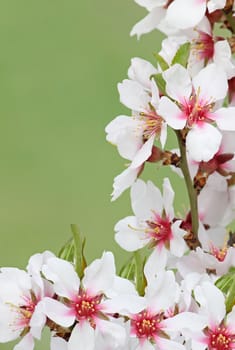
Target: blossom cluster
{"type": "Point", "coordinates": [177, 291]}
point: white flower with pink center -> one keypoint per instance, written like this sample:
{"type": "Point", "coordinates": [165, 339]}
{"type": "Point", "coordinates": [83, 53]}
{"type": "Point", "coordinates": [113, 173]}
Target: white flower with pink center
{"type": "Point", "coordinates": [194, 108]}
{"type": "Point", "coordinates": [85, 305]}
{"type": "Point", "coordinates": [21, 303]}
{"type": "Point", "coordinates": [153, 222]}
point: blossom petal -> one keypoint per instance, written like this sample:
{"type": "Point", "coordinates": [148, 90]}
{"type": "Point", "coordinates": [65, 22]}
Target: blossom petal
{"type": "Point", "coordinates": [225, 118]}
{"type": "Point", "coordinates": [178, 82]}
{"type": "Point", "coordinates": [171, 113]}
{"type": "Point", "coordinates": [26, 343]}
{"type": "Point", "coordinates": [99, 275]}
{"type": "Point", "coordinates": [113, 330]}
{"type": "Point", "coordinates": [211, 83]}
{"type": "Point", "coordinates": [62, 274]}
{"type": "Point", "coordinates": [176, 13]}
{"type": "Point", "coordinates": [148, 23]}
{"type": "Point", "coordinates": [58, 312]}
{"type": "Point", "coordinates": [144, 153]}
{"type": "Point", "coordinates": [145, 198]}
{"type": "Point", "coordinates": [133, 95]}
{"type": "Point", "coordinates": [58, 343]}
{"type": "Point", "coordinates": [82, 337]}
{"type": "Point", "coordinates": [203, 142]}
{"type": "Point", "coordinates": [141, 71]}
{"type": "Point", "coordinates": [124, 181]}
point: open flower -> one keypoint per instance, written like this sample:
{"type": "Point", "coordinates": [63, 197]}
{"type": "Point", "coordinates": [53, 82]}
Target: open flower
{"type": "Point", "coordinates": [194, 108]}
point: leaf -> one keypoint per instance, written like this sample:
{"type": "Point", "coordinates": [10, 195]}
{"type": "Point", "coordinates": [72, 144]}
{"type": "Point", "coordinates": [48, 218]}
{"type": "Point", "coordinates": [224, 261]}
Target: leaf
{"type": "Point", "coordinates": [160, 60]}
{"type": "Point", "coordinates": [182, 55]}
{"type": "Point", "coordinates": [160, 83]}
{"type": "Point", "coordinates": [79, 244]}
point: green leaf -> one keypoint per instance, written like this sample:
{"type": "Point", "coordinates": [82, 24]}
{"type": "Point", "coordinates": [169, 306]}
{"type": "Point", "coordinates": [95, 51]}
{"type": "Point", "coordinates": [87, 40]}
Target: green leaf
{"type": "Point", "coordinates": [139, 273]}
{"type": "Point", "coordinates": [160, 60]}
{"type": "Point", "coordinates": [128, 269]}
{"type": "Point", "coordinates": [160, 83]}
{"type": "Point", "coordinates": [182, 55]}
{"type": "Point", "coordinates": [79, 244]}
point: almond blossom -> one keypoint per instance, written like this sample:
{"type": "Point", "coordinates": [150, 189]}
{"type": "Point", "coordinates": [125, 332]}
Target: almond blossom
{"type": "Point", "coordinates": [194, 108]}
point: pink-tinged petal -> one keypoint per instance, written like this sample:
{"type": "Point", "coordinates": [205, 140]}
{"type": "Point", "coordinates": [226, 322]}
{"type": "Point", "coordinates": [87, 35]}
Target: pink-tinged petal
{"type": "Point", "coordinates": [185, 321]}
{"type": "Point", "coordinates": [121, 286]}
{"type": "Point", "coordinates": [211, 83]}
{"type": "Point", "coordinates": [176, 13]}
{"type": "Point", "coordinates": [99, 275]}
{"type": "Point", "coordinates": [124, 181]}
{"type": "Point", "coordinates": [113, 330]}
{"type": "Point", "coordinates": [148, 23]}
{"type": "Point", "coordinates": [62, 274]}
{"type": "Point", "coordinates": [133, 95]}
{"type": "Point", "coordinates": [203, 142]}
{"type": "Point", "coordinates": [155, 263]}
{"type": "Point", "coordinates": [168, 198]}
{"type": "Point", "coordinates": [177, 245]}
{"type": "Point", "coordinates": [214, 5]}
{"type": "Point", "coordinates": [171, 113]}
{"type": "Point", "coordinates": [125, 304]}
{"type": "Point", "coordinates": [141, 71]}
{"type": "Point", "coordinates": [38, 321]}
{"type": "Point", "coordinates": [58, 343]}
{"type": "Point", "coordinates": [225, 118]}
{"type": "Point", "coordinates": [166, 344]}
{"type": "Point", "coordinates": [178, 82]}
{"type": "Point", "coordinates": [145, 198]}
{"type": "Point", "coordinates": [208, 295]}
{"type": "Point", "coordinates": [129, 235]}
{"type": "Point", "coordinates": [58, 312]}
{"type": "Point", "coordinates": [143, 153]}
{"type": "Point", "coordinates": [82, 337]}
{"type": "Point", "coordinates": [26, 343]}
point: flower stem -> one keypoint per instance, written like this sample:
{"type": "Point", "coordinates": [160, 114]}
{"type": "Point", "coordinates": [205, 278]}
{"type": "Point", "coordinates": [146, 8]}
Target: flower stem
{"type": "Point", "coordinates": [190, 189]}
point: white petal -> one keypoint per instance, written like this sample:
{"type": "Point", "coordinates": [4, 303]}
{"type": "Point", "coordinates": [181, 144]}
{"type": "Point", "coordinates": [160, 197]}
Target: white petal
{"type": "Point", "coordinates": [185, 320]}
{"type": "Point", "coordinates": [163, 135]}
{"type": "Point", "coordinates": [167, 344]}
{"type": "Point", "coordinates": [177, 245]}
{"type": "Point", "coordinates": [203, 142]}
{"type": "Point", "coordinates": [211, 82]}
{"type": "Point", "coordinates": [37, 321]}
{"type": "Point", "coordinates": [146, 198]}
{"type": "Point", "coordinates": [222, 57]}
{"type": "Point", "coordinates": [7, 317]}
{"type": "Point", "coordinates": [58, 343]}
{"type": "Point", "coordinates": [133, 95]}
{"type": "Point", "coordinates": [26, 343]}
{"type": "Point", "coordinates": [176, 13]}
{"type": "Point", "coordinates": [214, 5]}
{"type": "Point", "coordinates": [144, 153]}
{"type": "Point", "coordinates": [231, 320]}
{"type": "Point", "coordinates": [58, 312]}
{"type": "Point", "coordinates": [99, 275]}
{"type": "Point", "coordinates": [155, 263]}
{"type": "Point", "coordinates": [151, 4]}
{"type": "Point", "coordinates": [178, 82]}
{"type": "Point", "coordinates": [125, 304]}
{"type": "Point", "coordinates": [124, 181]}
{"type": "Point", "coordinates": [115, 331]}
{"type": "Point", "coordinates": [129, 235]}
{"type": "Point", "coordinates": [168, 198]}
{"type": "Point", "coordinates": [141, 71]}
{"type": "Point", "coordinates": [208, 296]}
{"type": "Point", "coordinates": [82, 337]}
{"type": "Point", "coordinates": [62, 273]}
{"type": "Point", "coordinates": [171, 113]}
{"type": "Point", "coordinates": [148, 23]}
{"type": "Point", "coordinates": [225, 118]}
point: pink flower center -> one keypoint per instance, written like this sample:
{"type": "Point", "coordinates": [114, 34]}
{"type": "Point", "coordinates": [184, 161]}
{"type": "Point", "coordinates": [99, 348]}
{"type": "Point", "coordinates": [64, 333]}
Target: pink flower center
{"type": "Point", "coordinates": [87, 307]}
{"type": "Point", "coordinates": [24, 312]}
{"type": "Point", "coordinates": [220, 339]}
{"type": "Point", "coordinates": [196, 110]}
{"type": "Point", "coordinates": [220, 254]}
{"type": "Point", "coordinates": [152, 124]}
{"type": "Point", "coordinates": [203, 46]}
{"type": "Point", "coordinates": [159, 230]}
{"type": "Point", "coordinates": [146, 326]}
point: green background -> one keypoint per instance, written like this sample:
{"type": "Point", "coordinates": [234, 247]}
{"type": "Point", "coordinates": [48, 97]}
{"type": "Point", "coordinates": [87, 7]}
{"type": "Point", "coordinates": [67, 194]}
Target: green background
{"type": "Point", "coordinates": [60, 62]}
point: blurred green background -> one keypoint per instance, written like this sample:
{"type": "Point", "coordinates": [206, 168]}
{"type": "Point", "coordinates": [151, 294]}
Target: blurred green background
{"type": "Point", "coordinates": [60, 63]}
